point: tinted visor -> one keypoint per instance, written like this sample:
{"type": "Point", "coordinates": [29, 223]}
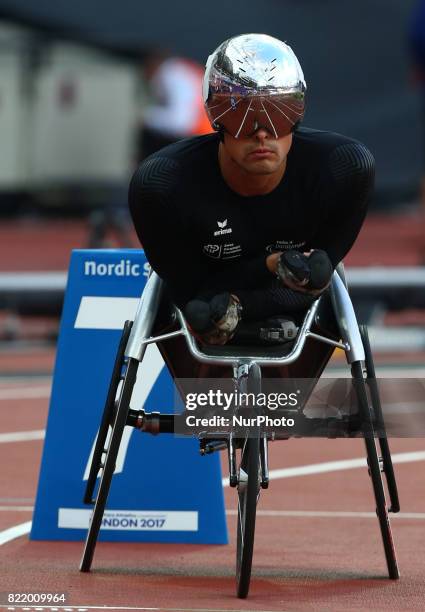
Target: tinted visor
{"type": "Point", "coordinates": [242, 116]}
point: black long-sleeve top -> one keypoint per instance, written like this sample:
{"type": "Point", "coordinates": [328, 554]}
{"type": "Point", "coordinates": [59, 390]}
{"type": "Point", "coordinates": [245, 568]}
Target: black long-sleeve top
{"type": "Point", "coordinates": [203, 238]}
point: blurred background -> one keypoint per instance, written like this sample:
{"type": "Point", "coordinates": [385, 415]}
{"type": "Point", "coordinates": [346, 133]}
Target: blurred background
{"type": "Point", "coordinates": [87, 89]}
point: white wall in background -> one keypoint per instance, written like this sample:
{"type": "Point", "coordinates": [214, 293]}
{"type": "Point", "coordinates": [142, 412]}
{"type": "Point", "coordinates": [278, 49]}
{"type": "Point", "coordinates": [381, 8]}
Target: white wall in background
{"type": "Point", "coordinates": [13, 111]}
{"type": "Point", "coordinates": [67, 115]}
{"type": "Point", "coordinates": [84, 117]}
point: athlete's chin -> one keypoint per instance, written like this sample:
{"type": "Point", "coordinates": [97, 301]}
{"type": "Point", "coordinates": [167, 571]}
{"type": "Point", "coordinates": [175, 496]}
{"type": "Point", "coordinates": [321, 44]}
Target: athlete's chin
{"type": "Point", "coordinates": [262, 167]}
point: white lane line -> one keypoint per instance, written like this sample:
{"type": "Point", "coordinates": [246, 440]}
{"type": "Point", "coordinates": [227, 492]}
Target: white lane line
{"type": "Point", "coordinates": [22, 436]}
{"type": "Point", "coordinates": [16, 508]}
{"type": "Point", "coordinates": [24, 379]}
{"type": "Point", "coordinates": [14, 532]}
{"type": "Point", "coordinates": [24, 528]}
{"type": "Point", "coordinates": [17, 393]}
{"type": "Point", "coordinates": [331, 514]}
{"type": "Point", "coordinates": [298, 513]}
{"type": "Point", "coordinates": [16, 500]}
{"type": "Point", "coordinates": [408, 457]}
{"type": "Point", "coordinates": [315, 468]}
{"type": "Point", "coordinates": [81, 608]}
{"type": "Point", "coordinates": [335, 466]}
{"type": "Point", "coordinates": [319, 513]}
{"type": "Point", "coordinates": [381, 372]}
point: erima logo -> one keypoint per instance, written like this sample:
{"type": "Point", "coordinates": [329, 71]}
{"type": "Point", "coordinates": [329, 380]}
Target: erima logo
{"type": "Point", "coordinates": [223, 229]}
{"type": "Point", "coordinates": [125, 267]}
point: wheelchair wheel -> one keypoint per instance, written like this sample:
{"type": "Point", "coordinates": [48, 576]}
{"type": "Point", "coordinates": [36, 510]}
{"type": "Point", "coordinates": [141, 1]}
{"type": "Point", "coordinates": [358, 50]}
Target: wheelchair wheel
{"type": "Point", "coordinates": [109, 465]}
{"type": "Point", "coordinates": [109, 413]}
{"type": "Point", "coordinates": [375, 469]}
{"type": "Point", "coordinates": [248, 493]}
{"type": "Point", "coordinates": [376, 404]}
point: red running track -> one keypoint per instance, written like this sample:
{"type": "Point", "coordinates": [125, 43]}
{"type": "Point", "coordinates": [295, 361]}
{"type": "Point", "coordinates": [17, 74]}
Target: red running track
{"type": "Point", "coordinates": [328, 563]}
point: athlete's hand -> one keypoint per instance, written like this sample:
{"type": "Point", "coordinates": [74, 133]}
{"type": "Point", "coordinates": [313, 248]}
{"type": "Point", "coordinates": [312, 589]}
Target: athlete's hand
{"type": "Point", "coordinates": [309, 272]}
{"type": "Point", "coordinates": [215, 321]}
{"type": "Point", "coordinates": [272, 261]}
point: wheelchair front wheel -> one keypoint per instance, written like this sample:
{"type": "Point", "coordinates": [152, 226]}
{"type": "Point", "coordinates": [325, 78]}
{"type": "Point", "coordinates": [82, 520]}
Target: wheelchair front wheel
{"type": "Point", "coordinates": [248, 490]}
{"type": "Point", "coordinates": [248, 493]}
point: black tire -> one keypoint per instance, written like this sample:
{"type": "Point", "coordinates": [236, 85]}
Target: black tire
{"type": "Point", "coordinates": [248, 493]}
{"type": "Point", "coordinates": [109, 466]}
{"type": "Point", "coordinates": [375, 470]}
{"type": "Point", "coordinates": [376, 403]}
{"type": "Point", "coordinates": [108, 417]}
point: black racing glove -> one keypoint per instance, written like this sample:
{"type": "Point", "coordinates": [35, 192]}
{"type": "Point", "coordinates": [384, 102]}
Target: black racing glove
{"type": "Point", "coordinates": [310, 272]}
{"type": "Point", "coordinates": [214, 321]}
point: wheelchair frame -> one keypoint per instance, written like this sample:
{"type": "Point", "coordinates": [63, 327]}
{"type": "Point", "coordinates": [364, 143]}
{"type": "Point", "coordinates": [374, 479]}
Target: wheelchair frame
{"type": "Point", "coordinates": [248, 457]}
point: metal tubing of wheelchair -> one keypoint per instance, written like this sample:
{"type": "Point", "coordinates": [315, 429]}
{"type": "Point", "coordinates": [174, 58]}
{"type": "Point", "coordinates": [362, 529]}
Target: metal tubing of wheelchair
{"type": "Point", "coordinates": [162, 337]}
{"type": "Point", "coordinates": [376, 404]}
{"type": "Point", "coordinates": [381, 508]}
{"type": "Point", "coordinates": [389, 475]}
{"type": "Point", "coordinates": [340, 345]}
{"type": "Point", "coordinates": [233, 477]}
{"type": "Point", "coordinates": [157, 423]}
{"type": "Point", "coordinates": [383, 441]}
{"type": "Point", "coordinates": [260, 360]}
{"type": "Point", "coordinates": [346, 319]}
{"type": "Point", "coordinates": [264, 461]}
{"type": "Point", "coordinates": [107, 417]}
{"type": "Point", "coordinates": [375, 471]}
{"type": "Point", "coordinates": [145, 317]}
{"type": "Point", "coordinates": [140, 335]}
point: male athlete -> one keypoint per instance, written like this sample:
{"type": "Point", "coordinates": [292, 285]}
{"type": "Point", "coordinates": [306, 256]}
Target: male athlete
{"type": "Point", "coordinates": [249, 222]}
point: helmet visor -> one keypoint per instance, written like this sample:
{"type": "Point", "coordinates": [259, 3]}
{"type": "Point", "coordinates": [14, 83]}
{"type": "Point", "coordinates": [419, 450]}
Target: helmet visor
{"type": "Point", "coordinates": [241, 116]}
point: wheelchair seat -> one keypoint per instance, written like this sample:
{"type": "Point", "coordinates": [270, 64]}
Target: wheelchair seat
{"type": "Point", "coordinates": [257, 352]}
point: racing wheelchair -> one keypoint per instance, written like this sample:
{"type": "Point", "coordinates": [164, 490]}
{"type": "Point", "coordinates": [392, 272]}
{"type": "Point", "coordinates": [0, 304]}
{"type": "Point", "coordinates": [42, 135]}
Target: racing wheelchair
{"type": "Point", "coordinates": [329, 323]}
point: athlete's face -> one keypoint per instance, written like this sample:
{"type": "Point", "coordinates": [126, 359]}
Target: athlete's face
{"type": "Point", "coordinates": [259, 153]}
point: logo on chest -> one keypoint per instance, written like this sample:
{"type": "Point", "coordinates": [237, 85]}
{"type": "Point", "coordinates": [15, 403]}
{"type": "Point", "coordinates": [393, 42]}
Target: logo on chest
{"type": "Point", "coordinates": [223, 229]}
{"type": "Point", "coordinates": [213, 250]}
{"type": "Point", "coordinates": [284, 245]}
{"type": "Point", "coordinates": [223, 251]}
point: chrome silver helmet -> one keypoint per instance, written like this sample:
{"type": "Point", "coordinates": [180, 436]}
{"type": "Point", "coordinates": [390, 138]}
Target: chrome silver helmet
{"type": "Point", "coordinates": [253, 81]}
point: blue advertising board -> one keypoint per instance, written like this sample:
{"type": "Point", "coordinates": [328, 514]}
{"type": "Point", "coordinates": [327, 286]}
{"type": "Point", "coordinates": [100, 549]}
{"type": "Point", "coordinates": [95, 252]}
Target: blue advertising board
{"type": "Point", "coordinates": [162, 489]}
